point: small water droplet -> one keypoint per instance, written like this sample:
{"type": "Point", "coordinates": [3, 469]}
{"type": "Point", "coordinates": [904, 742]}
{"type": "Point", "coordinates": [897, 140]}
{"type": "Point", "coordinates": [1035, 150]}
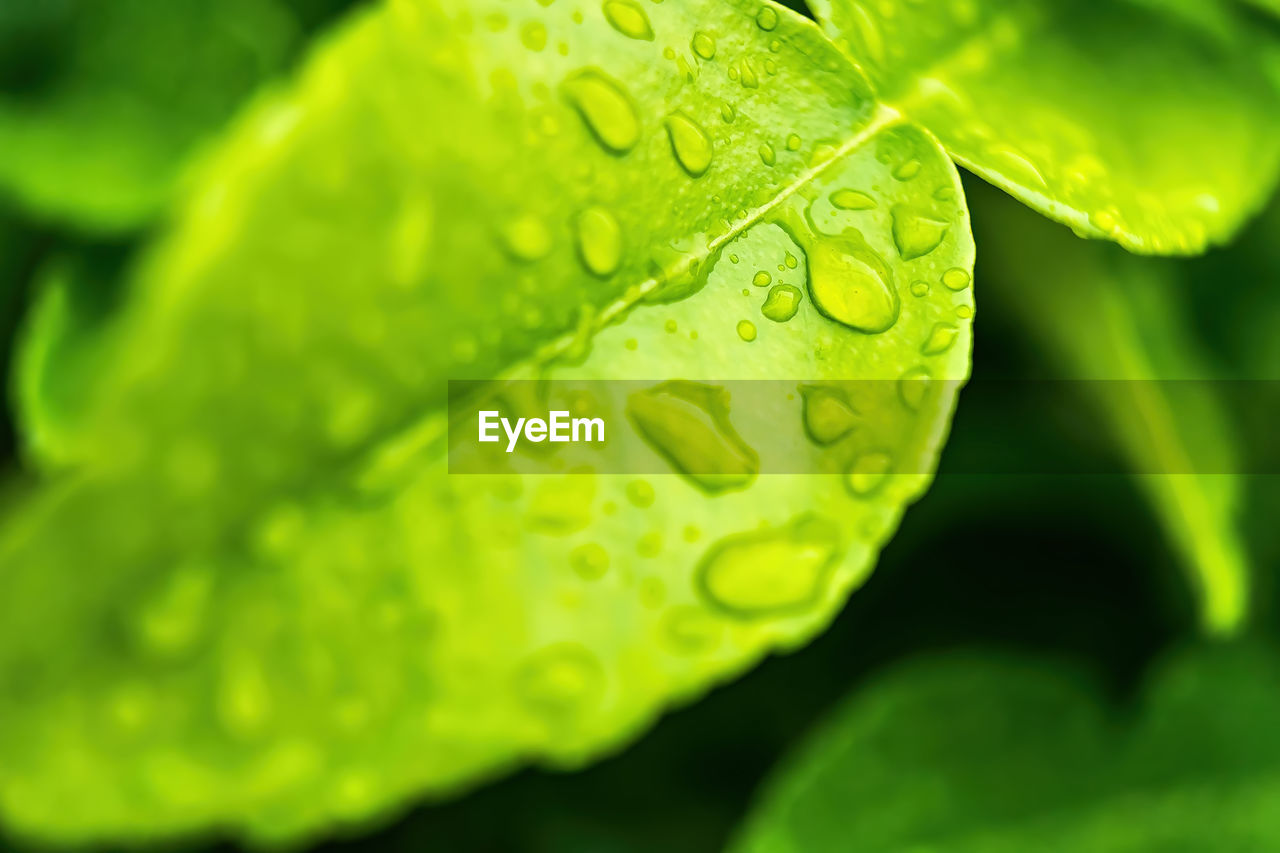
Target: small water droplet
{"type": "Point", "coordinates": [589, 561]}
{"type": "Point", "coordinates": [790, 261]}
{"type": "Point", "coordinates": [747, 74]}
{"type": "Point", "coordinates": [628, 17]}
{"type": "Point", "coordinates": [770, 573]}
{"type": "Point", "coordinates": [527, 238]}
{"type": "Point", "coordinates": [640, 493]}
{"type": "Point", "coordinates": [767, 18]}
{"type": "Point", "coordinates": [852, 200]}
{"type": "Point", "coordinates": [914, 234]}
{"type": "Point", "coordinates": [762, 279]}
{"type": "Point", "coordinates": [747, 330]}
{"type": "Point", "coordinates": [726, 112]}
{"type": "Point", "coordinates": [828, 414]}
{"type": "Point", "coordinates": [793, 142]}
{"type": "Point", "coordinates": [691, 144]}
{"type": "Point", "coordinates": [867, 472]}
{"type": "Point", "coordinates": [767, 155]}
{"type": "Point", "coordinates": [533, 35]}
{"type": "Point", "coordinates": [560, 680]}
{"type": "Point", "coordinates": [940, 339]}
{"type": "Point", "coordinates": [782, 303]}
{"type": "Point", "coordinates": [670, 327]}
{"type": "Point", "coordinates": [919, 288]}
{"type": "Point", "coordinates": [704, 45]}
{"type": "Point", "coordinates": [964, 312]}
{"type": "Point", "coordinates": [956, 279]}
{"type": "Point", "coordinates": [650, 544]}
{"type": "Point", "coordinates": [907, 170]}
{"type": "Point", "coordinates": [913, 385]}
{"type": "Point", "coordinates": [599, 241]}
{"type": "Point", "coordinates": [605, 108]}
{"type": "Point", "coordinates": [690, 630]}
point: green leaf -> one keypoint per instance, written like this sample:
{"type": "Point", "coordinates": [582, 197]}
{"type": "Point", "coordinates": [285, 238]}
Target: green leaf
{"type": "Point", "coordinates": [257, 599]}
{"type": "Point", "coordinates": [1118, 323]}
{"type": "Point", "coordinates": [976, 753]}
{"type": "Point", "coordinates": [102, 101]}
{"type": "Point", "coordinates": [1150, 124]}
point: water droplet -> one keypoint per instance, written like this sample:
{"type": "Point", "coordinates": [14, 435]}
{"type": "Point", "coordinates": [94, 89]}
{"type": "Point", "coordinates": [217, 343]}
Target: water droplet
{"type": "Point", "coordinates": [599, 241]}
{"type": "Point", "coordinates": [907, 170]}
{"type": "Point", "coordinates": [533, 35]}
{"type": "Point", "coordinates": [956, 279]}
{"type": "Point", "coordinates": [687, 423]}
{"type": "Point", "coordinates": [850, 284]}
{"type": "Point", "coordinates": [690, 143]}
{"type": "Point", "coordinates": [640, 494]}
{"type": "Point", "coordinates": [770, 573]}
{"type": "Point", "coordinates": [964, 312]}
{"type": "Point", "coordinates": [605, 108]}
{"type": "Point", "coordinates": [767, 18]}
{"type": "Point", "coordinates": [852, 200]}
{"type": "Point", "coordinates": [915, 234]}
{"type": "Point", "coordinates": [919, 288]}
{"type": "Point", "coordinates": [782, 303]}
{"type": "Point", "coordinates": [590, 561]}
{"type": "Point", "coordinates": [650, 544]}
{"type": "Point", "coordinates": [704, 45]}
{"type": "Point", "coordinates": [828, 414]}
{"type": "Point", "coordinates": [628, 18]}
{"type": "Point", "coordinates": [747, 74]}
{"type": "Point", "coordinates": [670, 327]}
{"type": "Point", "coordinates": [790, 261]}
{"type": "Point", "coordinates": [690, 630]}
{"type": "Point", "coordinates": [562, 679]}
{"type": "Point", "coordinates": [1107, 220]}
{"type": "Point", "coordinates": [762, 279]}
{"type": "Point", "coordinates": [767, 156]}
{"type": "Point", "coordinates": [913, 385]}
{"type": "Point", "coordinates": [747, 330]}
{"type": "Point", "coordinates": [867, 472]}
{"type": "Point", "coordinates": [527, 238]}
{"type": "Point", "coordinates": [726, 112]}
{"type": "Point", "coordinates": [793, 142]}
{"type": "Point", "coordinates": [940, 339]}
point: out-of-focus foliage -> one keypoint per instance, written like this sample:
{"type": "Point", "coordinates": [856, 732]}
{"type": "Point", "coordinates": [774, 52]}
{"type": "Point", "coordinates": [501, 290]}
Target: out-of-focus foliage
{"type": "Point", "coordinates": [1150, 124]}
{"type": "Point", "coordinates": [276, 610]}
{"type": "Point", "coordinates": [978, 753]}
{"type": "Point", "coordinates": [1119, 323]}
{"type": "Point", "coordinates": [102, 100]}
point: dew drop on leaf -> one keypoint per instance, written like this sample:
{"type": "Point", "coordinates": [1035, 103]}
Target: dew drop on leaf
{"type": "Point", "coordinates": [562, 679]}
{"type": "Point", "coordinates": [690, 630]}
{"type": "Point", "coordinates": [628, 17]}
{"type": "Point", "coordinates": [828, 415]}
{"type": "Point", "coordinates": [767, 156]}
{"type": "Point", "coordinates": [770, 573]}
{"type": "Point", "coordinates": [915, 235]}
{"type": "Point", "coordinates": [940, 339]}
{"type": "Point", "coordinates": [956, 279]}
{"type": "Point", "coordinates": [913, 385]}
{"type": "Point", "coordinates": [687, 424]}
{"type": "Point", "coordinates": [866, 472]}
{"type": "Point", "coordinates": [767, 19]}
{"type": "Point", "coordinates": [640, 493]}
{"type": "Point", "coordinates": [793, 142]}
{"type": "Point", "coordinates": [692, 146]}
{"type": "Point", "coordinates": [852, 200]}
{"type": "Point", "coordinates": [606, 109]}
{"type": "Point", "coordinates": [907, 170]}
{"type": "Point", "coordinates": [704, 45]}
{"type": "Point", "coordinates": [589, 561]}
{"type": "Point", "coordinates": [599, 241]}
{"type": "Point", "coordinates": [849, 284]}
{"type": "Point", "coordinates": [533, 35]}
{"type": "Point", "coordinates": [527, 238]}
{"type": "Point", "coordinates": [747, 330]}
{"type": "Point", "coordinates": [761, 279]}
{"type": "Point", "coordinates": [782, 303]}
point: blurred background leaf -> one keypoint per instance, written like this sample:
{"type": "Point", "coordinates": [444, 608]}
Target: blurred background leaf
{"type": "Point", "coordinates": [979, 752]}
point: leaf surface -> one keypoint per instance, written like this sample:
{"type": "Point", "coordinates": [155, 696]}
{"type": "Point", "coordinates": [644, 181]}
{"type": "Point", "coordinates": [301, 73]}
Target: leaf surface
{"type": "Point", "coordinates": [255, 577]}
{"type": "Point", "coordinates": [1150, 124]}
{"type": "Point", "coordinates": [975, 753]}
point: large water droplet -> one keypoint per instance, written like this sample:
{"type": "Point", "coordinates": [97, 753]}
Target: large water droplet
{"type": "Point", "coordinates": [782, 303]}
{"type": "Point", "coordinates": [849, 283]}
{"type": "Point", "coordinates": [852, 200]}
{"type": "Point", "coordinates": [828, 414]}
{"type": "Point", "coordinates": [606, 109]}
{"type": "Point", "coordinates": [688, 424]}
{"type": "Point", "coordinates": [770, 573]}
{"type": "Point", "coordinates": [599, 241]}
{"type": "Point", "coordinates": [915, 234]}
{"type": "Point", "coordinates": [628, 17]}
{"type": "Point", "coordinates": [692, 146]}
{"type": "Point", "coordinates": [704, 45]}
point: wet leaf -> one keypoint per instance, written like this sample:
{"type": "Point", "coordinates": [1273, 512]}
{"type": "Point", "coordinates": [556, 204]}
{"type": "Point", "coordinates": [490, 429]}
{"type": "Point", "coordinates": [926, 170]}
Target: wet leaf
{"type": "Point", "coordinates": [253, 575]}
{"type": "Point", "coordinates": [1150, 124]}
